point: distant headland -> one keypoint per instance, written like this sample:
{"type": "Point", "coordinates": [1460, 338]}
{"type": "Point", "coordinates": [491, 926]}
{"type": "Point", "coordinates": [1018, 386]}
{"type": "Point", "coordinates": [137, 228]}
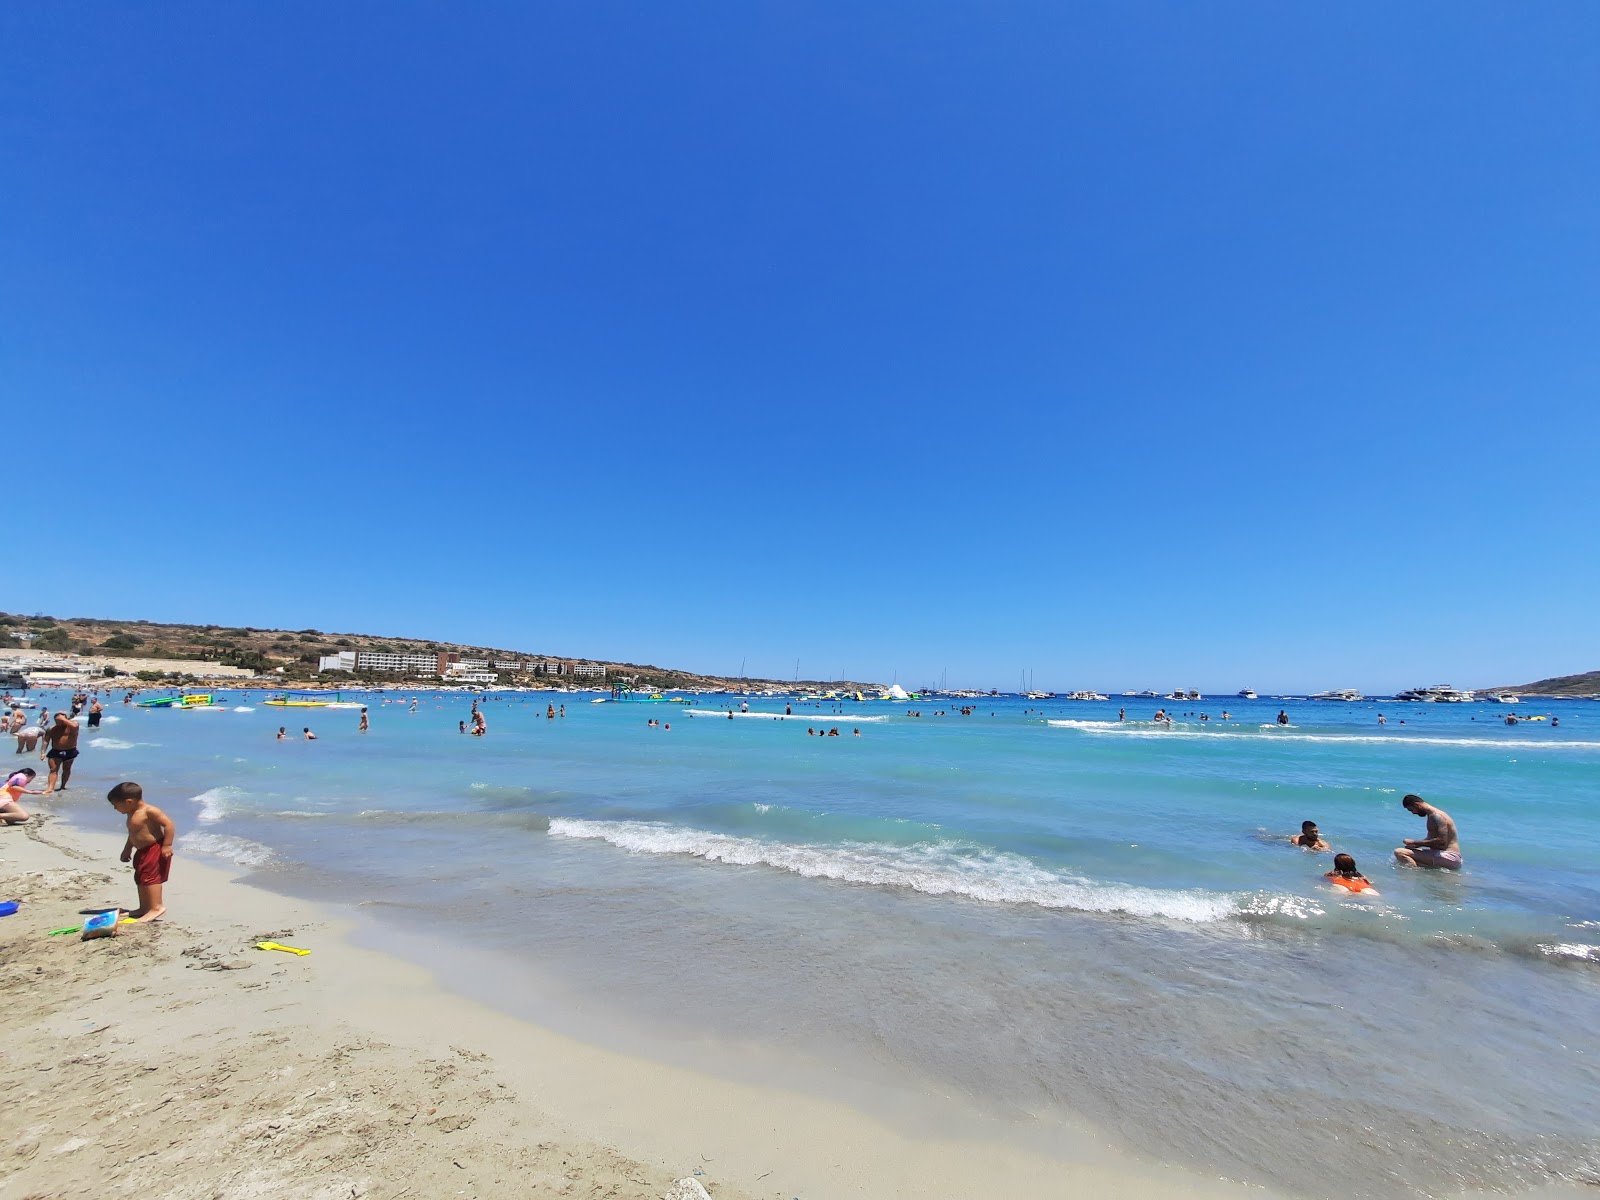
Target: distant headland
{"type": "Point", "coordinates": [151, 651]}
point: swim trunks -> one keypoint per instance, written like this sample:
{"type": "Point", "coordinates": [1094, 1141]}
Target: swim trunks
{"type": "Point", "coordinates": [62, 755]}
{"type": "Point", "coordinates": [94, 720]}
{"type": "Point", "coordinates": [149, 867]}
{"type": "Point", "coordinates": [1446, 860]}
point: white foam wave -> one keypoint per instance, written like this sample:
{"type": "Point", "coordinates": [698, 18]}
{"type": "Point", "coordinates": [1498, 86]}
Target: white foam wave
{"type": "Point", "coordinates": [105, 743]}
{"type": "Point", "coordinates": [1577, 950]}
{"type": "Point", "coordinates": [1144, 729]}
{"type": "Point", "coordinates": [243, 708]}
{"type": "Point", "coordinates": [836, 718]}
{"type": "Point", "coordinates": [108, 719]}
{"type": "Point", "coordinates": [219, 845]}
{"type": "Point", "coordinates": [933, 868]}
{"type": "Point", "coordinates": [214, 804]}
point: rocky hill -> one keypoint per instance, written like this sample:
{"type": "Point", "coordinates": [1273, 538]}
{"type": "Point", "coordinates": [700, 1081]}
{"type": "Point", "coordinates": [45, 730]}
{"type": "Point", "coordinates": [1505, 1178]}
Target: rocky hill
{"type": "Point", "coordinates": [296, 651]}
{"type": "Point", "coordinates": [1586, 684]}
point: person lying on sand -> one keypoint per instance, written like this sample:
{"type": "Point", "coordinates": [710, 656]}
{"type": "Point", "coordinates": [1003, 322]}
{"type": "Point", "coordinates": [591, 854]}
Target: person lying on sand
{"type": "Point", "coordinates": [1309, 838]}
{"type": "Point", "coordinates": [16, 784]}
{"type": "Point", "coordinates": [149, 846]}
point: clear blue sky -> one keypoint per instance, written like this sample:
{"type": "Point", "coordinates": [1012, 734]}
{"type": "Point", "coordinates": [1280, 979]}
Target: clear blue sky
{"type": "Point", "coordinates": [1139, 344]}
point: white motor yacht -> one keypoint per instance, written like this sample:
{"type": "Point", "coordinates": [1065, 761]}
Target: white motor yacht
{"type": "Point", "coordinates": [1439, 693]}
{"type": "Point", "coordinates": [1246, 694]}
{"type": "Point", "coordinates": [1087, 696]}
{"type": "Point", "coordinates": [1349, 695]}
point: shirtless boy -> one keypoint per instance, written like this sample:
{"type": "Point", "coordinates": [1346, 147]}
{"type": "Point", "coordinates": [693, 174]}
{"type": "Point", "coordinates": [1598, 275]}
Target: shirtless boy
{"type": "Point", "coordinates": [1441, 849]}
{"type": "Point", "coordinates": [149, 846]}
{"type": "Point", "coordinates": [61, 747]}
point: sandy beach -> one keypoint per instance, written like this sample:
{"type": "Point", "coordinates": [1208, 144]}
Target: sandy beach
{"type": "Point", "coordinates": [177, 1060]}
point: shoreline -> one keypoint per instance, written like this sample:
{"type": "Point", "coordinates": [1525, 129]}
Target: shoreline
{"type": "Point", "coordinates": [353, 1072]}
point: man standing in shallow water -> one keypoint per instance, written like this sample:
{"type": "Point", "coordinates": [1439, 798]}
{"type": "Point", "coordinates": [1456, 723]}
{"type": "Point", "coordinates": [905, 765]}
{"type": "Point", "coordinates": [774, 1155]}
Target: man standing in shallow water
{"type": "Point", "coordinates": [61, 742]}
{"type": "Point", "coordinates": [1440, 849]}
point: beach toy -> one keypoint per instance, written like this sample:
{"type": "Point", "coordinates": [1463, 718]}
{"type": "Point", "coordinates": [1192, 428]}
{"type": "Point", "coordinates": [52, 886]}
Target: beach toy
{"type": "Point", "coordinates": [75, 928]}
{"type": "Point", "coordinates": [281, 946]}
{"type": "Point", "coordinates": [7, 907]}
{"type": "Point", "coordinates": [100, 925]}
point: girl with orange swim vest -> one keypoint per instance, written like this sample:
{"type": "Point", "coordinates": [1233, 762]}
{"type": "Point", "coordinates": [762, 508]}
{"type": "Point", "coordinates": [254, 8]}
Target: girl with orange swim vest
{"type": "Point", "coordinates": [1344, 875]}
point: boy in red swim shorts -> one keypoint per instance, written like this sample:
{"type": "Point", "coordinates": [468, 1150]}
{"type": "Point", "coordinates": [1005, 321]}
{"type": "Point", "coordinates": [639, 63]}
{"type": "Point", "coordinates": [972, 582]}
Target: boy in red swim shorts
{"type": "Point", "coordinates": [149, 846]}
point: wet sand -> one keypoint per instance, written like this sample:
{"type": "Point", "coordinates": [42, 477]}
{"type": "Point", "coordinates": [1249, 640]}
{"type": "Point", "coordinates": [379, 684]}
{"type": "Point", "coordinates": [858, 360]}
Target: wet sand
{"type": "Point", "coordinates": [178, 1060]}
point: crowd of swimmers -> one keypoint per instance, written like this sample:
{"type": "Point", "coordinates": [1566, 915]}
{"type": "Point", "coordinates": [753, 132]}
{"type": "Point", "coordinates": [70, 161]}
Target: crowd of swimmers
{"type": "Point", "coordinates": [1440, 850]}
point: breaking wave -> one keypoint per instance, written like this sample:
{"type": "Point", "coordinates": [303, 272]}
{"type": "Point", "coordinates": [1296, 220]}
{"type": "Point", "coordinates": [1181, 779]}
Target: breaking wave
{"type": "Point", "coordinates": [237, 850]}
{"type": "Point", "coordinates": [215, 803]}
{"type": "Point", "coordinates": [1151, 730]}
{"type": "Point", "coordinates": [815, 716]}
{"type": "Point", "coordinates": [933, 868]}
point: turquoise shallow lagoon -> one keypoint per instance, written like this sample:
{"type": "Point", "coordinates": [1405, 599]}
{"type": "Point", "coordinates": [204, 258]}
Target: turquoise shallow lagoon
{"type": "Point", "coordinates": [1036, 906]}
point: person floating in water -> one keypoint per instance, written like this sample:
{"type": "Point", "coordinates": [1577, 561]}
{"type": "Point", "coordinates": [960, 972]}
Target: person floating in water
{"type": "Point", "coordinates": [1309, 837]}
{"type": "Point", "coordinates": [1441, 849]}
{"type": "Point", "coordinates": [1345, 875]}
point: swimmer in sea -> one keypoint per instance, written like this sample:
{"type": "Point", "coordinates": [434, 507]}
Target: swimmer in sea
{"type": "Point", "coordinates": [282, 735]}
{"type": "Point", "coordinates": [310, 737]}
{"type": "Point", "coordinates": [1309, 837]}
{"type": "Point", "coordinates": [1344, 875]}
{"type": "Point", "coordinates": [1441, 849]}
{"type": "Point", "coordinates": [1283, 717]}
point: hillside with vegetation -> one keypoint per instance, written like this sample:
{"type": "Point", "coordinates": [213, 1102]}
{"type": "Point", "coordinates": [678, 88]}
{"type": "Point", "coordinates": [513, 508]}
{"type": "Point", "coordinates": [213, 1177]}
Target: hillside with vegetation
{"type": "Point", "coordinates": [297, 651]}
{"type": "Point", "coordinates": [1586, 684]}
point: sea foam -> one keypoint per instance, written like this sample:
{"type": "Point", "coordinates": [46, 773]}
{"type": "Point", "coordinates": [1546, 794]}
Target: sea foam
{"type": "Point", "coordinates": [932, 868]}
{"type": "Point", "coordinates": [235, 849]}
{"type": "Point", "coordinates": [815, 715]}
{"type": "Point", "coordinates": [214, 803]}
{"type": "Point", "coordinates": [105, 743]}
{"type": "Point", "coordinates": [1151, 730]}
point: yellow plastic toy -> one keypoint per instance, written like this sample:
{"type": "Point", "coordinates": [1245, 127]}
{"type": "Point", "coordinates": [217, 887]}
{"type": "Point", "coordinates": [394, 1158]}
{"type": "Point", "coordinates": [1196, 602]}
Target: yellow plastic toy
{"type": "Point", "coordinates": [281, 946]}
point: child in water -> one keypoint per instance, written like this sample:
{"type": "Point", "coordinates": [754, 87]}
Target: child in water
{"type": "Point", "coordinates": [1344, 875]}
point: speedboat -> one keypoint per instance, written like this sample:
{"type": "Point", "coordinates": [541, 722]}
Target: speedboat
{"type": "Point", "coordinates": [1348, 695]}
{"type": "Point", "coordinates": [1246, 694]}
{"type": "Point", "coordinates": [1503, 697]}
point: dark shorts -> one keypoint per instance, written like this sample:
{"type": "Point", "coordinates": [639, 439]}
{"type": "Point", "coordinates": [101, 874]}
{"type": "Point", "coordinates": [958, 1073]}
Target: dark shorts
{"type": "Point", "coordinates": [62, 755]}
{"type": "Point", "coordinates": [94, 720]}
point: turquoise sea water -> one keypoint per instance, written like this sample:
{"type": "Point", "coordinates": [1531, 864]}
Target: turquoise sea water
{"type": "Point", "coordinates": [1036, 905]}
